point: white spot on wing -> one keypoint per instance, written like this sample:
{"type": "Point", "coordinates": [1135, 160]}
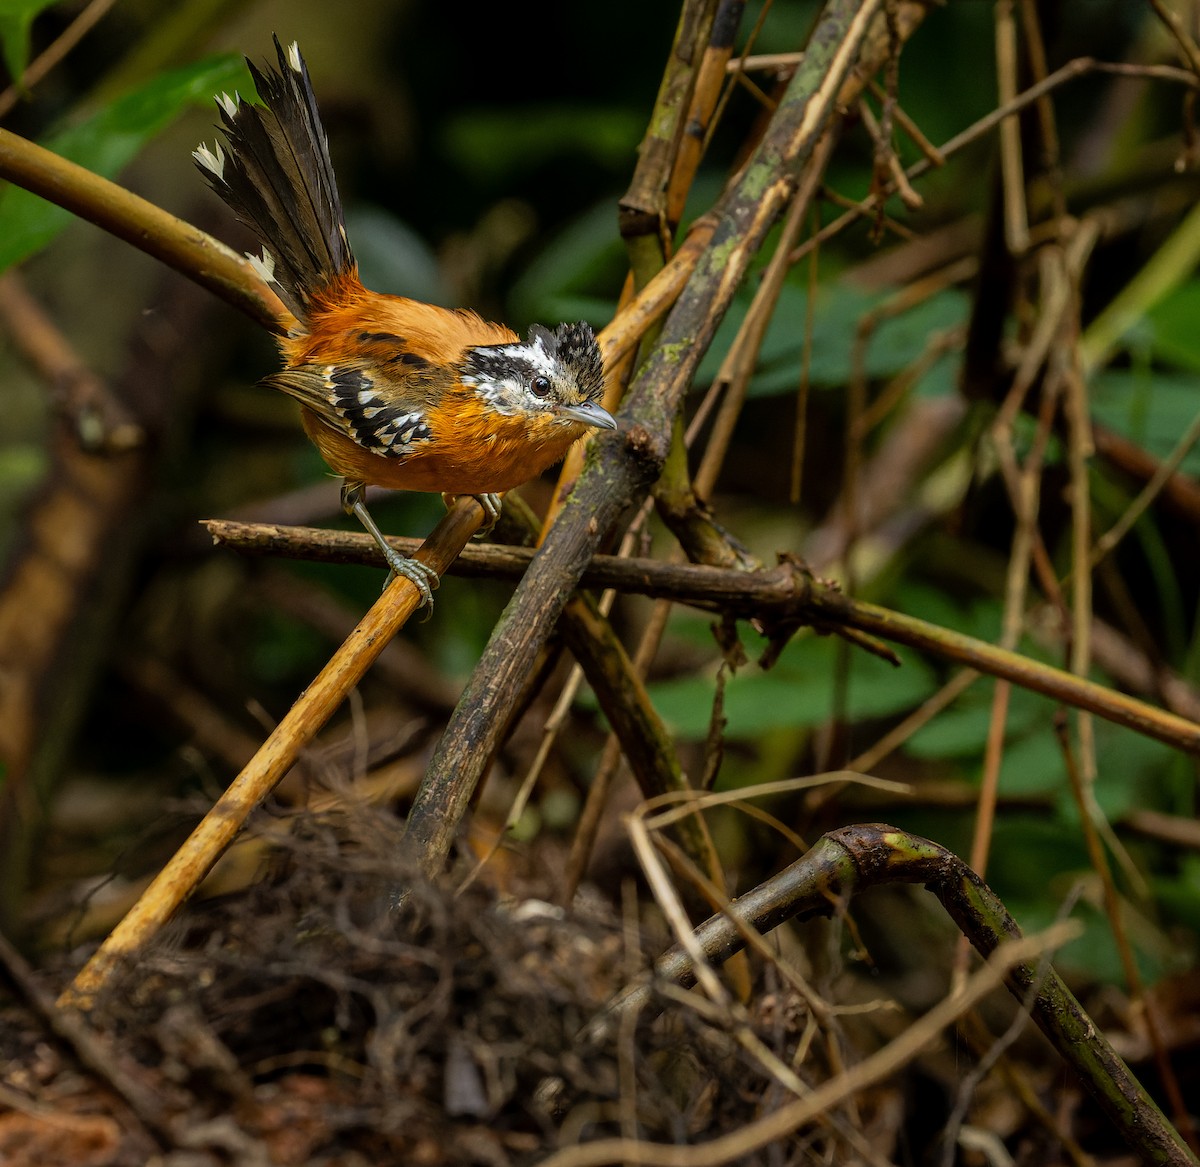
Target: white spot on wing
{"type": "Point", "coordinates": [229, 104]}
{"type": "Point", "coordinates": [293, 56]}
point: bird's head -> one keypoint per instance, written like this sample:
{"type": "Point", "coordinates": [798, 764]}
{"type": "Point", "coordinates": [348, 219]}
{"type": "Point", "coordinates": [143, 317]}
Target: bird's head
{"type": "Point", "coordinates": [557, 373]}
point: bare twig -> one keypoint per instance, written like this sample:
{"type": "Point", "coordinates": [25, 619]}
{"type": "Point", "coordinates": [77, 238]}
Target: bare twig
{"type": "Point", "coordinates": [782, 1122]}
{"type": "Point", "coordinates": [149, 228]}
{"type": "Point", "coordinates": [127, 1081]}
{"type": "Point", "coordinates": [70, 36]}
{"type": "Point", "coordinates": [98, 418]}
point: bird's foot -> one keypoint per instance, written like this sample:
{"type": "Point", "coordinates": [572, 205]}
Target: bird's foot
{"type": "Point", "coordinates": [419, 574]}
{"type": "Point", "coordinates": [492, 505]}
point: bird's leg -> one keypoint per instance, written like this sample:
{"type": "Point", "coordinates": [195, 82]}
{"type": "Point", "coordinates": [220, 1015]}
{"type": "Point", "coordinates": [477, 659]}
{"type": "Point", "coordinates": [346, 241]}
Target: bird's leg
{"type": "Point", "coordinates": [492, 505]}
{"type": "Point", "coordinates": [423, 577]}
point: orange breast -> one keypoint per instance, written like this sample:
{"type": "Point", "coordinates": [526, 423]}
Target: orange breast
{"type": "Point", "coordinates": [471, 451]}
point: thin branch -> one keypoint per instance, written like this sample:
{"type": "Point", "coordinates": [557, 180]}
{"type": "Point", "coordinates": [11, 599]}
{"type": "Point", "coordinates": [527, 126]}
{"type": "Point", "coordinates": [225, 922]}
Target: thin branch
{"type": "Point", "coordinates": [147, 1110]}
{"type": "Point", "coordinates": [1071, 71]}
{"type": "Point", "coordinates": [99, 419]}
{"type": "Point", "coordinates": [1146, 496]}
{"type": "Point", "coordinates": [66, 40]}
{"type": "Point", "coordinates": [782, 1122]}
{"type": "Point", "coordinates": [781, 597]}
{"type": "Point", "coordinates": [1187, 45]}
{"type": "Point", "coordinates": [643, 206]}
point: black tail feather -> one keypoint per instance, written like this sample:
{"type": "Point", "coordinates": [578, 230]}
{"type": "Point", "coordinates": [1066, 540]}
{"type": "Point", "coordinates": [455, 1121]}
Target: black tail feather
{"type": "Point", "coordinates": [278, 179]}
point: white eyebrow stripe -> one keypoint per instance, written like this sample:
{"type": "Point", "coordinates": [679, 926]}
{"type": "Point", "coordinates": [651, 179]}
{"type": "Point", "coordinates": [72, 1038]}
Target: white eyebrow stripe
{"type": "Point", "coordinates": [532, 354]}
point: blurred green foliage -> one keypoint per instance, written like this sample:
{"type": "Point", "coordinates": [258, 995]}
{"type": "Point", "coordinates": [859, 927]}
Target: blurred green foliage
{"type": "Point", "coordinates": [16, 20]}
{"type": "Point", "coordinates": [797, 692]}
{"type": "Point", "coordinates": [107, 141]}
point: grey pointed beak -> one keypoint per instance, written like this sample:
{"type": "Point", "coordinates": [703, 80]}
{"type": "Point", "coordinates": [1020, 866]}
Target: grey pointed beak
{"type": "Point", "coordinates": [590, 414]}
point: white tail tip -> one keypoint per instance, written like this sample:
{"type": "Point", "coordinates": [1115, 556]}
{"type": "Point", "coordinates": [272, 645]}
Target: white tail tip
{"type": "Point", "coordinates": [264, 266]}
{"type": "Point", "coordinates": [212, 160]}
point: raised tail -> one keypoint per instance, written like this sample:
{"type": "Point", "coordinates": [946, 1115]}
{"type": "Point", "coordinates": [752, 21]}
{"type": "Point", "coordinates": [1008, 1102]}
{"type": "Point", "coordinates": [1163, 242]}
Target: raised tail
{"type": "Point", "coordinates": [277, 177]}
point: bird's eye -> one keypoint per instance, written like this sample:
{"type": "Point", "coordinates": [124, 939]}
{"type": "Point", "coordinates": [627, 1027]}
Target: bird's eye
{"type": "Point", "coordinates": [539, 386]}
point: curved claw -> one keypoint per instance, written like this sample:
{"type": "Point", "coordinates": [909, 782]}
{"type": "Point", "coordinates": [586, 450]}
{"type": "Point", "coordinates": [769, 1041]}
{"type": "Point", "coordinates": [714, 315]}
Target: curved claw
{"type": "Point", "coordinates": [419, 574]}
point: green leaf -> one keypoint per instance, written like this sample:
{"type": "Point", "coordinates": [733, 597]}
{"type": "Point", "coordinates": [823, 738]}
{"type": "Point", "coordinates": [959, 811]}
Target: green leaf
{"type": "Point", "coordinates": [109, 141]}
{"type": "Point", "coordinates": [981, 618]}
{"type": "Point", "coordinates": [555, 286]}
{"type": "Point", "coordinates": [496, 144]}
{"type": "Point", "coordinates": [1093, 955]}
{"type": "Point", "coordinates": [16, 19]}
{"type": "Point", "coordinates": [796, 693]}
{"type": "Point", "coordinates": [1169, 328]}
{"type": "Point", "coordinates": [1035, 862]}
{"type": "Point", "coordinates": [1033, 764]}
{"type": "Point", "coordinates": [840, 307]}
{"type": "Point", "coordinates": [1132, 772]}
{"type": "Point", "coordinates": [392, 257]}
{"type": "Point", "coordinates": [898, 341]}
{"type": "Point", "coordinates": [1181, 895]}
{"type": "Point", "coordinates": [961, 730]}
{"type": "Point", "coordinates": [838, 310]}
{"type": "Point", "coordinates": [1149, 407]}
{"type": "Point", "coordinates": [1028, 851]}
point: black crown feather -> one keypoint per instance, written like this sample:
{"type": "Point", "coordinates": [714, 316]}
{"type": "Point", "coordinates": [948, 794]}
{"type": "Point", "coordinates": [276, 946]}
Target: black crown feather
{"type": "Point", "coordinates": [575, 346]}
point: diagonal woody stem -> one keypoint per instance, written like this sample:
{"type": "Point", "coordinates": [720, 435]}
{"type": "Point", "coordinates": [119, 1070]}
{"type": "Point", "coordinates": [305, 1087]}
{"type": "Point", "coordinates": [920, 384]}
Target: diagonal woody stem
{"type": "Point", "coordinates": [621, 466]}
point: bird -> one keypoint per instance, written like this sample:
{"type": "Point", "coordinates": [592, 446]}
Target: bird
{"type": "Point", "coordinates": [393, 392]}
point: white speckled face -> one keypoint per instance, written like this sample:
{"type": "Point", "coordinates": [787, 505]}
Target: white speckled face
{"type": "Point", "coordinates": [551, 373]}
{"type": "Point", "coordinates": [502, 375]}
